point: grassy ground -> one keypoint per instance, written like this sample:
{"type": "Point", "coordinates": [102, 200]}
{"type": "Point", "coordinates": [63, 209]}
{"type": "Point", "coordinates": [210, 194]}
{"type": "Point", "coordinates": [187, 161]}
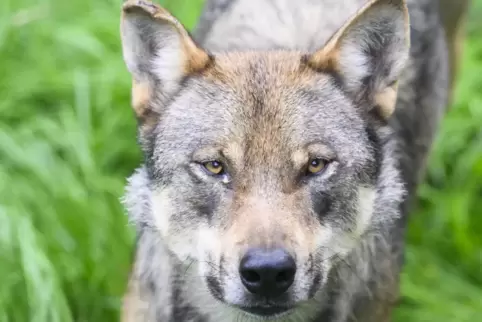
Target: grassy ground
{"type": "Point", "coordinates": [67, 142]}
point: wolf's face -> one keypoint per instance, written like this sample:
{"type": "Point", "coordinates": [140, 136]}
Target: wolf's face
{"type": "Point", "coordinates": [264, 167]}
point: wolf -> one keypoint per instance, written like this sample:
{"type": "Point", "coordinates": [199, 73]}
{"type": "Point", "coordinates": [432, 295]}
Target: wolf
{"type": "Point", "coordinates": [283, 142]}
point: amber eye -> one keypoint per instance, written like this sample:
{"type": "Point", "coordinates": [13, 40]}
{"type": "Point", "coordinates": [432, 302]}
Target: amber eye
{"type": "Point", "coordinates": [214, 167]}
{"type": "Point", "coordinates": [316, 165]}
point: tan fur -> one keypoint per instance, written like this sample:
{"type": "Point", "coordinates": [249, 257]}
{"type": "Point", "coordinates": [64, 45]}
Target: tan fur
{"type": "Point", "coordinates": [257, 223]}
{"type": "Point", "coordinates": [387, 100]}
{"type": "Point", "coordinates": [229, 67]}
{"type": "Point", "coordinates": [141, 95]}
{"type": "Point", "coordinates": [133, 307]}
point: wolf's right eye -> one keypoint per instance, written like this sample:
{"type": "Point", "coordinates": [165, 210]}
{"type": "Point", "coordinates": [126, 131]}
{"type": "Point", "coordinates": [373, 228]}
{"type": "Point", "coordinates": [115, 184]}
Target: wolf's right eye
{"type": "Point", "coordinates": [316, 166]}
{"type": "Point", "coordinates": [214, 167]}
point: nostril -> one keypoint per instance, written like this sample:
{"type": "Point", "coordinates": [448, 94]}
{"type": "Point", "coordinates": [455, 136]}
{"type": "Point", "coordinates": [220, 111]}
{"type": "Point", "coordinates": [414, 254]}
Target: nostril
{"type": "Point", "coordinates": [250, 276]}
{"type": "Point", "coordinates": [267, 272]}
{"type": "Point", "coordinates": [285, 276]}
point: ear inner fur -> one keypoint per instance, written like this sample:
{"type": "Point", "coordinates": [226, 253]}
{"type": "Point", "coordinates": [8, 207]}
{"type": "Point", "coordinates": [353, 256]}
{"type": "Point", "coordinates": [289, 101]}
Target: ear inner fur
{"type": "Point", "coordinates": [386, 100]}
{"type": "Point", "coordinates": [327, 59]}
{"type": "Point", "coordinates": [194, 58]}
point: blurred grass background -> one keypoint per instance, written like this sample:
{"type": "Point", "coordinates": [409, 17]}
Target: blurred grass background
{"type": "Point", "coordinates": [67, 143]}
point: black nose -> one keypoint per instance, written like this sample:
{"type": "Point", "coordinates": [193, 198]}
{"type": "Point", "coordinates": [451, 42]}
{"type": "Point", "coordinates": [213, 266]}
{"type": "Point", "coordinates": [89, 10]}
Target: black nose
{"type": "Point", "coordinates": [267, 273]}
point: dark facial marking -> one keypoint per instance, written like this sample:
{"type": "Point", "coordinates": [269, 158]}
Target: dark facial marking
{"type": "Point", "coordinates": [321, 204]}
{"type": "Point", "coordinates": [315, 285]}
{"type": "Point", "coordinates": [182, 311]}
{"type": "Point", "coordinates": [310, 264]}
{"type": "Point", "coordinates": [205, 203]}
{"type": "Point", "coordinates": [214, 285]}
{"type": "Point", "coordinates": [376, 146]}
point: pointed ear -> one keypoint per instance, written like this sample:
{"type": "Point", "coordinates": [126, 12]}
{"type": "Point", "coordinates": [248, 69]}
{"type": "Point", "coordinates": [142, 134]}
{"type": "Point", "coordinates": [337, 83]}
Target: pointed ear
{"type": "Point", "coordinates": [369, 53]}
{"type": "Point", "coordinates": [158, 52]}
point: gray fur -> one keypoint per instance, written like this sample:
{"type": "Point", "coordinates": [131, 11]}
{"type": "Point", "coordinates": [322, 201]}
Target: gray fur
{"type": "Point", "coordinates": [387, 157]}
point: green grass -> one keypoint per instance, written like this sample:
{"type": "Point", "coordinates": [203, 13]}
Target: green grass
{"type": "Point", "coordinates": [67, 143]}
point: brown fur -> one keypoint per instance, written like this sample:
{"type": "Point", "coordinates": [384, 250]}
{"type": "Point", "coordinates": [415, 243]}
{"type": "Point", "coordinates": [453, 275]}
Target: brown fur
{"type": "Point", "coordinates": [140, 99]}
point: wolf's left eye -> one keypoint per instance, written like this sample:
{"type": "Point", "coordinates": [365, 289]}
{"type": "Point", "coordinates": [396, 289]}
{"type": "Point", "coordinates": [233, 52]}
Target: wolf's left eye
{"type": "Point", "coordinates": [214, 167]}
{"type": "Point", "coordinates": [316, 165]}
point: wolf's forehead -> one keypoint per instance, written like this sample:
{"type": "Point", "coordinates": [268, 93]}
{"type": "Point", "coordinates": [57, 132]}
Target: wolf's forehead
{"type": "Point", "coordinates": [270, 90]}
{"type": "Point", "coordinates": [270, 102]}
{"type": "Point", "coordinates": [277, 94]}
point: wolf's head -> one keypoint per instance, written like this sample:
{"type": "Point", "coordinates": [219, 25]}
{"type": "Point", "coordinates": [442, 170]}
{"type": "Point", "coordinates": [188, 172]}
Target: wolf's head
{"type": "Point", "coordinates": [265, 168]}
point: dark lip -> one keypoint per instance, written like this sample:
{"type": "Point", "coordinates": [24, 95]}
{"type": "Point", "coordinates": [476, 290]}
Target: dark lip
{"type": "Point", "coordinates": [266, 311]}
